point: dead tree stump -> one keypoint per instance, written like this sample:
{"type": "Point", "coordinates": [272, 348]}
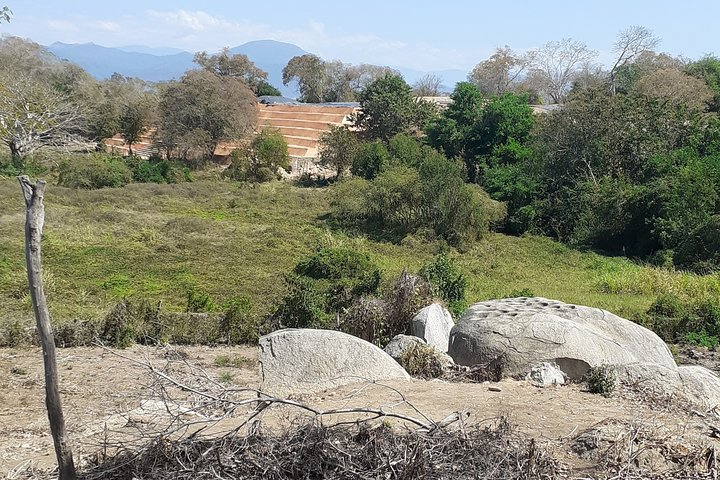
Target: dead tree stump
{"type": "Point", "coordinates": [34, 220]}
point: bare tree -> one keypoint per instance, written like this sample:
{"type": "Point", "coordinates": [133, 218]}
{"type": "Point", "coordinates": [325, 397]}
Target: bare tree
{"type": "Point", "coordinates": [5, 14]}
{"type": "Point", "coordinates": [34, 115]}
{"type": "Point", "coordinates": [556, 65]}
{"type": "Point", "coordinates": [427, 86]}
{"type": "Point", "coordinates": [502, 72]}
{"type": "Point", "coordinates": [630, 43]}
{"type": "Point", "coordinates": [34, 220]}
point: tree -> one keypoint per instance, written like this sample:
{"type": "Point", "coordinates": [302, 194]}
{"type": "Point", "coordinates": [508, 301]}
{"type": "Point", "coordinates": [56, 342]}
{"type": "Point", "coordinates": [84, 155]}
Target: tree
{"type": "Point", "coordinates": [265, 89]}
{"type": "Point", "coordinates": [708, 69]}
{"type": "Point", "coordinates": [134, 121]}
{"type": "Point", "coordinates": [309, 73]}
{"type": "Point", "coordinates": [34, 115]}
{"type": "Point", "coordinates": [226, 64]}
{"type": "Point", "coordinates": [630, 43]}
{"type": "Point", "coordinates": [337, 148]}
{"type": "Point", "coordinates": [387, 108]}
{"type": "Point", "coordinates": [675, 88]}
{"type": "Point", "coordinates": [503, 72]}
{"type": "Point", "coordinates": [206, 109]}
{"type": "Point", "coordinates": [427, 86]}
{"type": "Point", "coordinates": [5, 14]}
{"type": "Point", "coordinates": [556, 64]}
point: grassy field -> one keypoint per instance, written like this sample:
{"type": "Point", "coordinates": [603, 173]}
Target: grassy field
{"type": "Point", "coordinates": [232, 240]}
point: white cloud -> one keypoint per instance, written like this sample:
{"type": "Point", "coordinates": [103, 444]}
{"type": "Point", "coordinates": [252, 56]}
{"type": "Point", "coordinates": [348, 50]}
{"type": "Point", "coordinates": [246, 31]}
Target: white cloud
{"type": "Point", "coordinates": [62, 25]}
{"type": "Point", "coordinates": [197, 20]}
{"type": "Point", "coordinates": [108, 26]}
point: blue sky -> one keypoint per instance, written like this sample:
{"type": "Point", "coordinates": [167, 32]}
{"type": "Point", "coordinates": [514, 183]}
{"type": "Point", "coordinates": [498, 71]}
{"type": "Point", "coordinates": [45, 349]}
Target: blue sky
{"type": "Point", "coordinates": [417, 34]}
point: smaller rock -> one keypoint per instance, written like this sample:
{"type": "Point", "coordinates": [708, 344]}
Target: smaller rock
{"type": "Point", "coordinates": [433, 324]}
{"type": "Point", "coordinates": [495, 389]}
{"type": "Point", "coordinates": [546, 374]}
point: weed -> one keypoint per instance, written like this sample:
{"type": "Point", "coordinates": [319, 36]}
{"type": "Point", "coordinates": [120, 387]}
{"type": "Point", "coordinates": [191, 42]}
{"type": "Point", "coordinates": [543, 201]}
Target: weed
{"type": "Point", "coordinates": [226, 377]}
{"type": "Point", "coordinates": [237, 361]}
{"type": "Point", "coordinates": [422, 361]}
{"type": "Point", "coordinates": [602, 379]}
{"type": "Point", "coordinates": [18, 371]}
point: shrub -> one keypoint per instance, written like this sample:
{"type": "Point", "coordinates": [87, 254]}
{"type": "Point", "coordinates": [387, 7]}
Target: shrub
{"type": "Point", "coordinates": [260, 161]}
{"type": "Point", "coordinates": [370, 160]}
{"type": "Point", "coordinates": [93, 171]}
{"type": "Point", "coordinates": [602, 379]}
{"type": "Point", "coordinates": [694, 321]}
{"type": "Point", "coordinates": [422, 361]}
{"type": "Point", "coordinates": [198, 301]}
{"type": "Point", "coordinates": [238, 324]}
{"type": "Point", "coordinates": [446, 281]}
{"type": "Point", "coordinates": [156, 170]}
{"type": "Point", "coordinates": [324, 284]}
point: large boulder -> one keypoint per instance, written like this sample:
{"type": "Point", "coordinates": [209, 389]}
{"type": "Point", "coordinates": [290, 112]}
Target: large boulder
{"type": "Point", "coordinates": [689, 384]}
{"type": "Point", "coordinates": [297, 361]}
{"type": "Point", "coordinates": [514, 333]}
{"type": "Point", "coordinates": [433, 324]}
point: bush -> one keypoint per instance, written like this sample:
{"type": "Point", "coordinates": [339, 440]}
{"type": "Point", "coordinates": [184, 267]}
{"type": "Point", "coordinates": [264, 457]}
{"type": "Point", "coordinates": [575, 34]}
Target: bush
{"type": "Point", "coordinates": [422, 361]}
{"type": "Point", "coordinates": [602, 379]}
{"type": "Point", "coordinates": [446, 281]}
{"type": "Point", "coordinates": [93, 171]}
{"type": "Point", "coordinates": [156, 170]}
{"type": "Point", "coordinates": [695, 321]}
{"type": "Point", "coordinates": [260, 161]}
{"type": "Point", "coordinates": [370, 160]}
{"type": "Point", "coordinates": [238, 324]}
{"type": "Point", "coordinates": [326, 283]}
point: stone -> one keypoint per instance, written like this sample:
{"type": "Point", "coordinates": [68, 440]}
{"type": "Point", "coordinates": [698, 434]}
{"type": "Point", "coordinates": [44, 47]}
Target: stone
{"type": "Point", "coordinates": [546, 374]}
{"type": "Point", "coordinates": [433, 324]}
{"type": "Point", "coordinates": [400, 344]}
{"type": "Point", "coordinates": [690, 384]}
{"type": "Point", "coordinates": [300, 361]}
{"type": "Point", "coordinates": [514, 333]}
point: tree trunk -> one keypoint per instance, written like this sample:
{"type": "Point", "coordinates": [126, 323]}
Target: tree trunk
{"type": "Point", "coordinates": [34, 220]}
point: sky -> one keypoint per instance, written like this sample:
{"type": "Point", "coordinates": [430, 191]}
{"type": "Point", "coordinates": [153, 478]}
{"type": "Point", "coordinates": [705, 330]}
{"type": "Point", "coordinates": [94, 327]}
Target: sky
{"type": "Point", "coordinates": [419, 34]}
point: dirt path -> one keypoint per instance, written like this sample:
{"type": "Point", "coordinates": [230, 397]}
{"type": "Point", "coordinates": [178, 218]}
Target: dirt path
{"type": "Point", "coordinates": [96, 385]}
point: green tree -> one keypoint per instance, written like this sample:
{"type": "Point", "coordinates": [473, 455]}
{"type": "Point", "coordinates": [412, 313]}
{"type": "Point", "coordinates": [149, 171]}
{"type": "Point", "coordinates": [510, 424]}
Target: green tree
{"type": "Point", "coordinates": [387, 108]}
{"type": "Point", "coordinates": [708, 69]}
{"type": "Point", "coordinates": [203, 109]}
{"type": "Point", "coordinates": [265, 89]}
{"type": "Point", "coordinates": [134, 121]}
{"type": "Point", "coordinates": [226, 64]}
{"type": "Point", "coordinates": [337, 148]}
{"type": "Point", "coordinates": [309, 73]}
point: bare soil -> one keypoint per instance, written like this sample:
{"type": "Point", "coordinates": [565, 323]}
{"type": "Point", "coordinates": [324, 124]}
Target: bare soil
{"type": "Point", "coordinates": [97, 385]}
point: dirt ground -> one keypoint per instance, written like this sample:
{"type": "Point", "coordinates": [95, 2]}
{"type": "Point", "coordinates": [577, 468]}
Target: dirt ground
{"type": "Point", "coordinates": [97, 385]}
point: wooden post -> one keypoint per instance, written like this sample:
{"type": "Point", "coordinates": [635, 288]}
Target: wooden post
{"type": "Point", "coordinates": [34, 220]}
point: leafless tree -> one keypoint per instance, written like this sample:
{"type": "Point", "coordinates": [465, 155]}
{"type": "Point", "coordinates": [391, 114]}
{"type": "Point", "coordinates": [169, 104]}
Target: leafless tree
{"type": "Point", "coordinates": [427, 86]}
{"type": "Point", "coordinates": [556, 64]}
{"type": "Point", "coordinates": [502, 72]}
{"type": "Point", "coordinates": [5, 14]}
{"type": "Point", "coordinates": [630, 43]}
{"type": "Point", "coordinates": [34, 115]}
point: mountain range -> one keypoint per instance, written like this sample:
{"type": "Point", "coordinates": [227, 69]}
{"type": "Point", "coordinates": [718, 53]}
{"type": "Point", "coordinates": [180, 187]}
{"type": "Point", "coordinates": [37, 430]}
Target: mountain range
{"type": "Point", "coordinates": [166, 63]}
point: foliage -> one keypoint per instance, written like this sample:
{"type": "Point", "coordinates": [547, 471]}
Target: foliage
{"type": "Point", "coordinates": [401, 200]}
{"type": "Point", "coordinates": [370, 159]}
{"type": "Point", "coordinates": [94, 171]}
{"type": "Point", "coordinates": [265, 89]}
{"type": "Point", "coordinates": [201, 110]}
{"type": "Point", "coordinates": [677, 319]}
{"type": "Point", "coordinates": [422, 361]}
{"type": "Point", "coordinates": [708, 69]}
{"type": "Point", "coordinates": [262, 159]}
{"type": "Point", "coordinates": [135, 118]}
{"type": "Point", "coordinates": [324, 284]}
{"type": "Point", "coordinates": [226, 64]}
{"type": "Point", "coordinates": [387, 108]}
{"type": "Point", "coordinates": [446, 281]}
{"type": "Point", "coordinates": [602, 379]}
{"type": "Point", "coordinates": [337, 148]}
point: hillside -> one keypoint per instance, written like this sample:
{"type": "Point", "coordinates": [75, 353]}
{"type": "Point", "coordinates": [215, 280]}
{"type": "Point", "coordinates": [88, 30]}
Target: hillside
{"type": "Point", "coordinates": [233, 240]}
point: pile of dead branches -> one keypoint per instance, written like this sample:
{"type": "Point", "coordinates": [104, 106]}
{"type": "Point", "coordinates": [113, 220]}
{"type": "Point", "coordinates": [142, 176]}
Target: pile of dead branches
{"type": "Point", "coordinates": [356, 451]}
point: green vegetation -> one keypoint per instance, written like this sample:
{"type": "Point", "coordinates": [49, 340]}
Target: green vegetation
{"type": "Point", "coordinates": [602, 380]}
{"type": "Point", "coordinates": [261, 159]}
{"type": "Point", "coordinates": [154, 242]}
